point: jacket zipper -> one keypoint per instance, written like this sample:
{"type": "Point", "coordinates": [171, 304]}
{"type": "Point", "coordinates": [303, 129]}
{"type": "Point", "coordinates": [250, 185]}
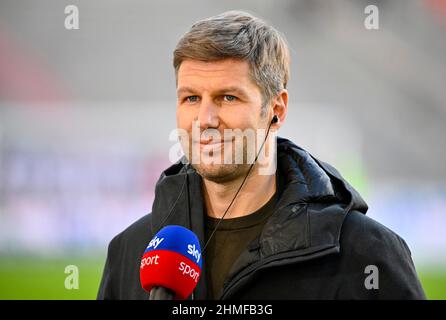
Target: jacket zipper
{"type": "Point", "coordinates": [261, 265]}
{"type": "Point", "coordinates": [248, 269]}
{"type": "Point", "coordinates": [314, 253]}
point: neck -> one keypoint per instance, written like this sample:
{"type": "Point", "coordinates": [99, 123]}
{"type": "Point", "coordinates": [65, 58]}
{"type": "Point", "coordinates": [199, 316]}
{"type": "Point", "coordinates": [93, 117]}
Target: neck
{"type": "Point", "coordinates": [255, 193]}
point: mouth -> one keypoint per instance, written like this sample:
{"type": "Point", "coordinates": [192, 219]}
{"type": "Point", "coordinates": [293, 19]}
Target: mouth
{"type": "Point", "coordinates": [212, 144]}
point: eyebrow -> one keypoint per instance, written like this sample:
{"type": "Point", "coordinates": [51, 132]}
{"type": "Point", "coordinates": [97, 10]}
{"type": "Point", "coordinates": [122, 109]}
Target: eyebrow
{"type": "Point", "coordinates": [184, 90]}
{"type": "Point", "coordinates": [231, 89]}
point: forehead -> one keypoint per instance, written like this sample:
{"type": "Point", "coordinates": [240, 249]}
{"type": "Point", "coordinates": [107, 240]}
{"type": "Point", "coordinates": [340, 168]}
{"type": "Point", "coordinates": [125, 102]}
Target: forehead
{"type": "Point", "coordinates": [228, 72]}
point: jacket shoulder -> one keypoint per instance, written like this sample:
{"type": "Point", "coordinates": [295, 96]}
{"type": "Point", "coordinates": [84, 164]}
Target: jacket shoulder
{"type": "Point", "coordinates": [137, 230]}
{"type": "Point", "coordinates": [363, 233]}
{"type": "Point", "coordinates": [367, 246]}
{"type": "Point", "coordinates": [120, 278]}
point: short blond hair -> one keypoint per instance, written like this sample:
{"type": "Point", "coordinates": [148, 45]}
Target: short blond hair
{"type": "Point", "coordinates": [239, 35]}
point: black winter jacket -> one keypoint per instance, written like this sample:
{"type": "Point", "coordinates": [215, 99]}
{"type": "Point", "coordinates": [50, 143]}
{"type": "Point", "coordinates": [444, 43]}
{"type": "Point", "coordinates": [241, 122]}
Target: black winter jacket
{"type": "Point", "coordinates": [317, 244]}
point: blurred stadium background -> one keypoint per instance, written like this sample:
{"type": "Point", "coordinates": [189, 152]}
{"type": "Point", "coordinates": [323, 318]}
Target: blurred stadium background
{"type": "Point", "coordinates": [85, 117]}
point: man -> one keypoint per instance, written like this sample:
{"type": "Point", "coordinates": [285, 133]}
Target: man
{"type": "Point", "coordinates": [298, 232]}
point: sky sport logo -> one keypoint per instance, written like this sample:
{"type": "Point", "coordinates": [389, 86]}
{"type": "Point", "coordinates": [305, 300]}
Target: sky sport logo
{"type": "Point", "coordinates": [194, 252]}
{"type": "Point", "coordinates": [154, 256]}
{"type": "Point", "coordinates": [172, 260]}
{"type": "Point", "coordinates": [149, 261]}
{"type": "Point", "coordinates": [184, 268]}
{"type": "Point", "coordinates": [155, 242]}
{"type": "Point", "coordinates": [187, 270]}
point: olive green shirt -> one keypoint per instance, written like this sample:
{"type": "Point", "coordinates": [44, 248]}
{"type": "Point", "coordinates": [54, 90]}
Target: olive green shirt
{"type": "Point", "coordinates": [229, 241]}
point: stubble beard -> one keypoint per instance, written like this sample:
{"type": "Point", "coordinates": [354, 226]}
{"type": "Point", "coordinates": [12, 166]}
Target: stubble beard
{"type": "Point", "coordinates": [221, 172]}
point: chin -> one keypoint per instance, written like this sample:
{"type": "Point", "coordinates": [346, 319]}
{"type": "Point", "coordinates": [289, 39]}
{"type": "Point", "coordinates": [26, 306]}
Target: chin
{"type": "Point", "coordinates": [221, 173]}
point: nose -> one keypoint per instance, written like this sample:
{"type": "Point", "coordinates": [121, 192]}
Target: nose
{"type": "Point", "coordinates": [208, 115]}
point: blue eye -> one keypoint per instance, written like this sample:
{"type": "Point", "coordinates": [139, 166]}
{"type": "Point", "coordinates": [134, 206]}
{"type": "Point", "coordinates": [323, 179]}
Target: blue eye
{"type": "Point", "coordinates": [192, 99]}
{"type": "Point", "coordinates": [229, 98]}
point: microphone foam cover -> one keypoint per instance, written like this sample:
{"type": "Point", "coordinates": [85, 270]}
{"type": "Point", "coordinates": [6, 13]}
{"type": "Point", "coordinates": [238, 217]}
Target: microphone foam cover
{"type": "Point", "coordinates": [172, 260]}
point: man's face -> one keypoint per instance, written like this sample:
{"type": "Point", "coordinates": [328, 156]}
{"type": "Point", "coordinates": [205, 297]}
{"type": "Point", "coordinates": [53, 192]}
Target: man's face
{"type": "Point", "coordinates": [220, 95]}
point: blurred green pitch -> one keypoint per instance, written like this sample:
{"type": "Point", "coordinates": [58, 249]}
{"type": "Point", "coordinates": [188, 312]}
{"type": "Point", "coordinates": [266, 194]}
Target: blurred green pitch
{"type": "Point", "coordinates": [37, 278]}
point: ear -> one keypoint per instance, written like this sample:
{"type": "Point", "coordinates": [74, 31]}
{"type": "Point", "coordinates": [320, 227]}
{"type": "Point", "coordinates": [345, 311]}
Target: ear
{"type": "Point", "coordinates": [280, 107]}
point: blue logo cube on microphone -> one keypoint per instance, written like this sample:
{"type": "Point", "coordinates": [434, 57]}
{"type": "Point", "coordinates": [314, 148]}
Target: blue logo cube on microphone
{"type": "Point", "coordinates": [178, 239]}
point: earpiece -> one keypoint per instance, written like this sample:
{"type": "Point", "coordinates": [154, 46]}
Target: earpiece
{"type": "Point", "coordinates": [275, 119]}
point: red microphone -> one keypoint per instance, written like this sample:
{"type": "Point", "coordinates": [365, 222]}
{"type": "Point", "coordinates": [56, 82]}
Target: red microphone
{"type": "Point", "coordinates": [171, 265]}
